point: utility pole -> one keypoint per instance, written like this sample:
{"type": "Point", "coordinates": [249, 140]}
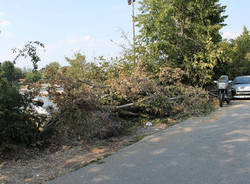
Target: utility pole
{"type": "Point", "coordinates": [132, 2]}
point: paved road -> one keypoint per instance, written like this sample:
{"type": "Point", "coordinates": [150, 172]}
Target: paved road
{"type": "Point", "coordinates": [207, 150]}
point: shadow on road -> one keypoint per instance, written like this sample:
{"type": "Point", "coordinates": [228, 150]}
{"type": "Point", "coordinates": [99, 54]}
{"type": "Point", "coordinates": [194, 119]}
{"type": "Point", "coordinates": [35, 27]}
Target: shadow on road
{"type": "Point", "coordinates": [207, 150]}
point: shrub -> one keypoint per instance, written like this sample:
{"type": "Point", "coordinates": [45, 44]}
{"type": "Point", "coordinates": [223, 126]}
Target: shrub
{"type": "Point", "coordinates": [16, 125]}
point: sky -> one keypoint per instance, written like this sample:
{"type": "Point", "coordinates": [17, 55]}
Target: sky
{"type": "Point", "coordinates": [92, 27]}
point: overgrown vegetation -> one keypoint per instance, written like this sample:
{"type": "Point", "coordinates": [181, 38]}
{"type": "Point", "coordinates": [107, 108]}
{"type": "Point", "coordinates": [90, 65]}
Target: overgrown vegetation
{"type": "Point", "coordinates": [94, 106]}
{"type": "Point", "coordinates": [179, 52]}
{"type": "Point", "coordinates": [18, 124]}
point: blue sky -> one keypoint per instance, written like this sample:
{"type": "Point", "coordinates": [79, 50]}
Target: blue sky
{"type": "Point", "coordinates": [80, 25]}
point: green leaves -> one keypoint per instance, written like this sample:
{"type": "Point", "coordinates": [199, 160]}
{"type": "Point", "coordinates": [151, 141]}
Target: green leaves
{"type": "Point", "coordinates": [180, 33]}
{"type": "Point", "coordinates": [33, 76]}
{"type": "Point", "coordinates": [16, 126]}
{"type": "Point", "coordinates": [17, 123]}
{"type": "Point", "coordinates": [29, 50]}
{"type": "Point", "coordinates": [234, 57]}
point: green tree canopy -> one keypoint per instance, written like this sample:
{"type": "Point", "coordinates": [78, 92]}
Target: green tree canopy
{"type": "Point", "coordinates": [10, 72]}
{"type": "Point", "coordinates": [180, 33]}
{"type": "Point", "coordinates": [235, 56]}
{"type": "Point", "coordinates": [33, 76]}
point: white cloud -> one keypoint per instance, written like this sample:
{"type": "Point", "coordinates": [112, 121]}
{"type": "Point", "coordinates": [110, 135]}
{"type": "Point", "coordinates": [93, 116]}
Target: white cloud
{"type": "Point", "coordinates": [89, 45]}
{"type": "Point", "coordinates": [79, 39]}
{"type": "Point", "coordinates": [6, 35]}
{"type": "Point", "coordinates": [4, 23]}
{"type": "Point", "coordinates": [86, 44]}
{"type": "Point", "coordinates": [230, 35]}
{"type": "Point", "coordinates": [89, 41]}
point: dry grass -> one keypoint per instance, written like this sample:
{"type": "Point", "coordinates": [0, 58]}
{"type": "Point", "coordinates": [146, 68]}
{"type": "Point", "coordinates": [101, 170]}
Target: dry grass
{"type": "Point", "coordinates": [40, 167]}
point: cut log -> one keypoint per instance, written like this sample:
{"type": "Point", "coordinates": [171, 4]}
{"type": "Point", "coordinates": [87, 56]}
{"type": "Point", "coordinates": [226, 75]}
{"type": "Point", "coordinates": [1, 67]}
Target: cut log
{"type": "Point", "coordinates": [134, 103]}
{"type": "Point", "coordinates": [144, 99]}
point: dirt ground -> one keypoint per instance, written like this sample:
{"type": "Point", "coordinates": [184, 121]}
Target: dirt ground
{"type": "Point", "coordinates": [38, 168]}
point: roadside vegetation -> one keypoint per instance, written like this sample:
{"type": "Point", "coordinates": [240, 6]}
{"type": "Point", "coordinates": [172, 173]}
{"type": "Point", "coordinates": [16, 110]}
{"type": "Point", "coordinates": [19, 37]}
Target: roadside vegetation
{"type": "Point", "coordinates": [179, 52]}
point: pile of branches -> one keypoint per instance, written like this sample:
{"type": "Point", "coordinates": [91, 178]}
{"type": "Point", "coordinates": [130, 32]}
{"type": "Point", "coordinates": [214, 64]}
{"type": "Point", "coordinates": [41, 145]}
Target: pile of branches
{"type": "Point", "coordinates": [162, 95]}
{"type": "Point", "coordinates": [89, 108]}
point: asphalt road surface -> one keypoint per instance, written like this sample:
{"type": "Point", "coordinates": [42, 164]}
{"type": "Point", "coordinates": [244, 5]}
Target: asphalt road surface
{"type": "Point", "coordinates": [204, 150]}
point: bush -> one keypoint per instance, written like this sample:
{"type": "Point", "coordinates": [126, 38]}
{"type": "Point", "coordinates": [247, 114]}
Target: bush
{"type": "Point", "coordinates": [16, 125]}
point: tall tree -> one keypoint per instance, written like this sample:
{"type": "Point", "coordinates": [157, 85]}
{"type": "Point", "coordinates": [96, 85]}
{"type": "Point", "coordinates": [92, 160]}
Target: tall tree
{"type": "Point", "coordinates": [241, 57]}
{"type": "Point", "coordinates": [179, 32]}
